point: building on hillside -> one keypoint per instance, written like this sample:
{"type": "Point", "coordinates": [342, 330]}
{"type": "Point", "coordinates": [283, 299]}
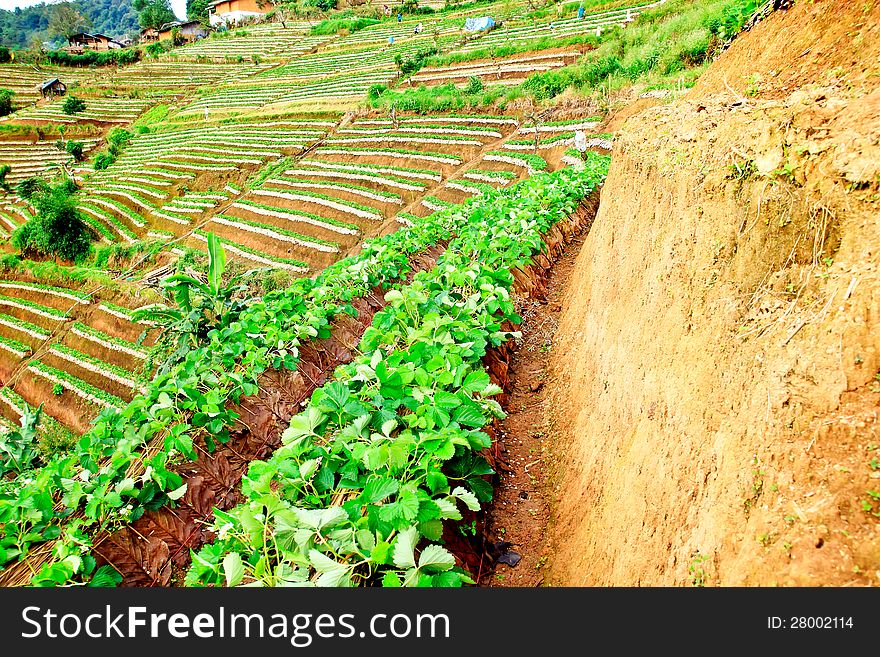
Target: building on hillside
{"type": "Point", "coordinates": [230, 12]}
{"type": "Point", "coordinates": [82, 41]}
{"type": "Point", "coordinates": [189, 31]}
{"type": "Point", "coordinates": [52, 87]}
{"type": "Point", "coordinates": [149, 34]}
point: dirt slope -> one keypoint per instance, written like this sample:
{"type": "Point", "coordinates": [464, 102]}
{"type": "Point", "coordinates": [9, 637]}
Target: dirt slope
{"type": "Point", "coordinates": [714, 381]}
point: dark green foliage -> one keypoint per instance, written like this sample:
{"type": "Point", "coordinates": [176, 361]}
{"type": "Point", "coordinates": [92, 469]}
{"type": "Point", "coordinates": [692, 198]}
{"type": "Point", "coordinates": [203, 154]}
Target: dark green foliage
{"type": "Point", "coordinates": [474, 85]}
{"type": "Point", "coordinates": [30, 187]}
{"type": "Point", "coordinates": [350, 23]}
{"type": "Point", "coordinates": [323, 5]}
{"type": "Point", "coordinates": [153, 13]}
{"type": "Point", "coordinates": [4, 171]}
{"type": "Point", "coordinates": [158, 47]}
{"type": "Point", "coordinates": [411, 64]}
{"type": "Point", "coordinates": [102, 161]}
{"type": "Point", "coordinates": [5, 56]}
{"type": "Point", "coordinates": [376, 90]}
{"type": "Point", "coordinates": [94, 58]}
{"type": "Point", "coordinates": [18, 28]}
{"type": "Point", "coordinates": [198, 307]}
{"type": "Point", "coordinates": [117, 139]}
{"type": "Point", "coordinates": [18, 448]}
{"type": "Point", "coordinates": [6, 96]}
{"type": "Point", "coordinates": [57, 230]}
{"type": "Point", "coordinates": [442, 98]}
{"type": "Point", "coordinates": [197, 10]}
{"type": "Point", "coordinates": [73, 105]}
{"type": "Point", "coordinates": [75, 148]}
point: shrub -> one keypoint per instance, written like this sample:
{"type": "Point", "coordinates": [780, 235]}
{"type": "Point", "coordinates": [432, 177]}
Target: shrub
{"type": "Point", "coordinates": [75, 148]}
{"type": "Point", "coordinates": [57, 230]}
{"type": "Point", "coordinates": [30, 187]}
{"type": "Point", "coordinates": [323, 5]}
{"type": "Point", "coordinates": [411, 64]}
{"type": "Point", "coordinates": [102, 161]}
{"type": "Point", "coordinates": [4, 171]}
{"type": "Point", "coordinates": [474, 85]}
{"type": "Point", "coordinates": [376, 90]}
{"type": "Point", "coordinates": [335, 25]}
{"type": "Point", "coordinates": [547, 84]}
{"type": "Point", "coordinates": [9, 262]}
{"type": "Point", "coordinates": [6, 96]}
{"type": "Point", "coordinates": [73, 105]}
{"type": "Point", "coordinates": [118, 138]}
{"type": "Point", "coordinates": [5, 56]}
{"type": "Point", "coordinates": [94, 58]}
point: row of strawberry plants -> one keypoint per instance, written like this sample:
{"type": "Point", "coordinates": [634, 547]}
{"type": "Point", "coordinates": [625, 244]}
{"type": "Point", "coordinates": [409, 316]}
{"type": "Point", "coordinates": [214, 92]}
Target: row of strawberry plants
{"type": "Point", "coordinates": [384, 454]}
{"type": "Point", "coordinates": [187, 400]}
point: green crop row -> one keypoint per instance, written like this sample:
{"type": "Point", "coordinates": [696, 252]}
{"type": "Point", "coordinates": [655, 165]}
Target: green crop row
{"type": "Point", "coordinates": [387, 452]}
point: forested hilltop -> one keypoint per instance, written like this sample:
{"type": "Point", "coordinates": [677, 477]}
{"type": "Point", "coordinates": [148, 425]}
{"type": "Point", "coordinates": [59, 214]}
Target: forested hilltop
{"type": "Point", "coordinates": [19, 28]}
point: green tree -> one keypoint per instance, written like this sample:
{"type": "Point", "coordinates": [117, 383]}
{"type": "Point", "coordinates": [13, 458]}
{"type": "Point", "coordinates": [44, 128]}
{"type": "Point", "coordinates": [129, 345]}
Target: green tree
{"type": "Point", "coordinates": [58, 229]}
{"type": "Point", "coordinates": [153, 13]}
{"type": "Point", "coordinates": [73, 105]}
{"type": "Point", "coordinates": [75, 148]}
{"type": "Point", "coordinates": [6, 96]}
{"type": "Point", "coordinates": [65, 21]}
{"type": "Point", "coordinates": [5, 169]}
{"type": "Point", "coordinates": [197, 10]}
{"type": "Point", "coordinates": [5, 56]}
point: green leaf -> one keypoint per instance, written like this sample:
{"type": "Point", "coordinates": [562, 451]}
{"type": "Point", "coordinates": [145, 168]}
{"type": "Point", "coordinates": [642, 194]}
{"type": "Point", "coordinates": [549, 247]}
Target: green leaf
{"type": "Point", "coordinates": [446, 400]}
{"type": "Point", "coordinates": [333, 573]}
{"type": "Point", "coordinates": [391, 580]}
{"type": "Point", "coordinates": [233, 569]}
{"type": "Point", "coordinates": [448, 509]}
{"type": "Point", "coordinates": [469, 416]}
{"type": "Point", "coordinates": [475, 382]}
{"type": "Point", "coordinates": [431, 529]}
{"type": "Point", "coordinates": [437, 481]}
{"type": "Point", "coordinates": [469, 499]}
{"type": "Point", "coordinates": [216, 262]}
{"type": "Point", "coordinates": [106, 576]}
{"type": "Point", "coordinates": [377, 490]}
{"type": "Point", "coordinates": [379, 554]}
{"type": "Point", "coordinates": [404, 548]}
{"type": "Point", "coordinates": [177, 493]}
{"type": "Point", "coordinates": [435, 557]}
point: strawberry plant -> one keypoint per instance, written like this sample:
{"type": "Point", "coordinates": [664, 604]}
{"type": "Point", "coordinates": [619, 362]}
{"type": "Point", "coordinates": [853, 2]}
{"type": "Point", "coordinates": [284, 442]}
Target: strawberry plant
{"type": "Point", "coordinates": [388, 451]}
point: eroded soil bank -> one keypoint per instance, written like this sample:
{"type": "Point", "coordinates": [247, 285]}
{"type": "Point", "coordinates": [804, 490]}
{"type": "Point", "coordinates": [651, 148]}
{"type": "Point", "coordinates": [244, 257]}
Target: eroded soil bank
{"type": "Point", "coordinates": [713, 385]}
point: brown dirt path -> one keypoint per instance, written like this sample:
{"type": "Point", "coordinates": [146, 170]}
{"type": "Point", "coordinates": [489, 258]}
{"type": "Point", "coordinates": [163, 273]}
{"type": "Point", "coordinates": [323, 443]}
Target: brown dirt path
{"type": "Point", "coordinates": [521, 509]}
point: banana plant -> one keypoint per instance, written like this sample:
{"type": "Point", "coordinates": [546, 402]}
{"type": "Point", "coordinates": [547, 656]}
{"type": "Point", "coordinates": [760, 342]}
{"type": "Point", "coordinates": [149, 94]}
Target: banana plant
{"type": "Point", "coordinates": [194, 307]}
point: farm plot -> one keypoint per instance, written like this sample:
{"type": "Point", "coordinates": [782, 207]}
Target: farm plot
{"type": "Point", "coordinates": [423, 151]}
{"type": "Point", "coordinates": [267, 41]}
{"type": "Point", "coordinates": [34, 158]}
{"type": "Point", "coordinates": [168, 76]}
{"type": "Point", "coordinates": [508, 70]}
{"type": "Point", "coordinates": [140, 190]}
{"type": "Point", "coordinates": [70, 353]}
{"type": "Point", "coordinates": [517, 32]}
{"type": "Point", "coordinates": [101, 110]}
{"type": "Point", "coordinates": [250, 95]}
{"type": "Point", "coordinates": [23, 80]}
{"type": "Point", "coordinates": [326, 64]}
